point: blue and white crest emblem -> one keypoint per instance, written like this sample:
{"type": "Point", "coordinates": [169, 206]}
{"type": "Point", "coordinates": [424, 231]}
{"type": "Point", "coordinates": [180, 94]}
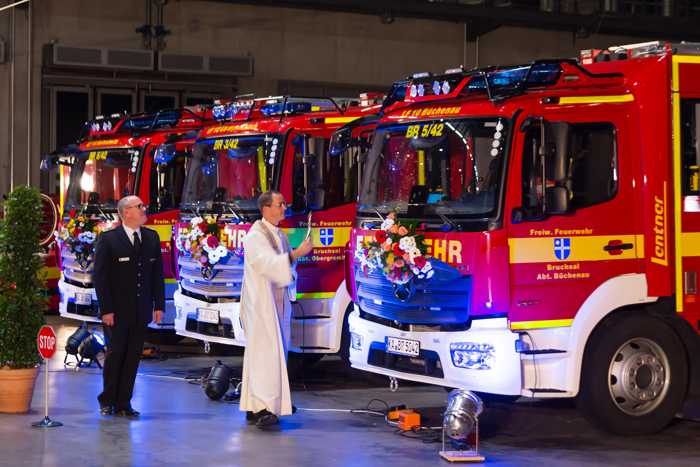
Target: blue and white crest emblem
{"type": "Point", "coordinates": [562, 248]}
{"type": "Point", "coordinates": [326, 236]}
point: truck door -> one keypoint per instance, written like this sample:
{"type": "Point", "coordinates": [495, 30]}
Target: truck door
{"type": "Point", "coordinates": [690, 206]}
{"type": "Point", "coordinates": [575, 224]}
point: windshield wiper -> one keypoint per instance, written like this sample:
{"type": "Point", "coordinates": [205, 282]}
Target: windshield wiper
{"type": "Point", "coordinates": [231, 205]}
{"type": "Point", "coordinates": [448, 222]}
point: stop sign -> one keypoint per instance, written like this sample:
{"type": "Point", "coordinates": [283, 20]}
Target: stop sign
{"type": "Point", "coordinates": [46, 342]}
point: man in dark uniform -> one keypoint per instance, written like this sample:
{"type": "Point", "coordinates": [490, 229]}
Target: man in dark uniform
{"type": "Point", "coordinates": [128, 278]}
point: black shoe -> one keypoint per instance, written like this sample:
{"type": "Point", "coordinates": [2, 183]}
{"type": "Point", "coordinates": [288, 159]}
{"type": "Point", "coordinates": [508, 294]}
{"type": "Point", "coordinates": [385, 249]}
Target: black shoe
{"type": "Point", "coordinates": [251, 417]}
{"type": "Point", "coordinates": [106, 410]}
{"type": "Point", "coordinates": [267, 420]}
{"type": "Point", "coordinates": [294, 409]}
{"type": "Point", "coordinates": [127, 412]}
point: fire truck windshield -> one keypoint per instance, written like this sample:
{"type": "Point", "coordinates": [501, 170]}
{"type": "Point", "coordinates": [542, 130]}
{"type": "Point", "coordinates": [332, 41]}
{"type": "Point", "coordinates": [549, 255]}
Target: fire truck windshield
{"type": "Point", "coordinates": [231, 170]}
{"type": "Point", "coordinates": [101, 177]}
{"type": "Point", "coordinates": [436, 168]}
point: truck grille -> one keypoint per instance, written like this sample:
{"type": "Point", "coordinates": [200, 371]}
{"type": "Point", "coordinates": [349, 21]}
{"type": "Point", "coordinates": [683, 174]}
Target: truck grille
{"type": "Point", "coordinates": [441, 300]}
{"type": "Point", "coordinates": [225, 282]}
{"type": "Point", "coordinates": [72, 270]}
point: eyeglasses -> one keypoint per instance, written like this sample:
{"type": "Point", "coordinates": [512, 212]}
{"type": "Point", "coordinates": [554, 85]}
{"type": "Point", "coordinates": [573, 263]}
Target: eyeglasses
{"type": "Point", "coordinates": [140, 206]}
{"type": "Point", "coordinates": [280, 204]}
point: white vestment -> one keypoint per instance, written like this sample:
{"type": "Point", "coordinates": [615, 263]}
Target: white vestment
{"type": "Point", "coordinates": [265, 314]}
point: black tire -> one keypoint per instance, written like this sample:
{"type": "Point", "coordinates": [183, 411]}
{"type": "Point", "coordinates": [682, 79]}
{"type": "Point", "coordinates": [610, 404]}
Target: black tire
{"type": "Point", "coordinates": [163, 338]}
{"type": "Point", "coordinates": [297, 363]}
{"type": "Point", "coordinates": [221, 350]}
{"type": "Point", "coordinates": [634, 376]}
{"type": "Point", "coordinates": [344, 351]}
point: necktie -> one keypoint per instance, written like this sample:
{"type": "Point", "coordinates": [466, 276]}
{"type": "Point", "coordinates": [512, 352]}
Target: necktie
{"type": "Point", "coordinates": [137, 242]}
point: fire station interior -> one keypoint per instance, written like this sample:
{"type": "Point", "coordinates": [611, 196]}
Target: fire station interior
{"type": "Point", "coordinates": [505, 264]}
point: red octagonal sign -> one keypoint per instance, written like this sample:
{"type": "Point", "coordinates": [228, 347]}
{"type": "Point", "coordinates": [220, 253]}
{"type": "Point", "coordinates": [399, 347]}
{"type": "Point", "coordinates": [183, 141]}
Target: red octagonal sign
{"type": "Point", "coordinates": [46, 342]}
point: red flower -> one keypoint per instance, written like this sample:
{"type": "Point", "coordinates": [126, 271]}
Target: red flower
{"type": "Point", "coordinates": [419, 261]}
{"type": "Point", "coordinates": [71, 213]}
{"type": "Point", "coordinates": [212, 241]}
{"type": "Point", "coordinates": [397, 251]}
{"type": "Point", "coordinates": [380, 236]}
{"type": "Point", "coordinates": [203, 226]}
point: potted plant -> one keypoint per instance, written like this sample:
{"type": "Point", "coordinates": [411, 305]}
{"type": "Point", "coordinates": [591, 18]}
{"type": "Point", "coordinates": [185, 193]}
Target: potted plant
{"type": "Point", "coordinates": [22, 298]}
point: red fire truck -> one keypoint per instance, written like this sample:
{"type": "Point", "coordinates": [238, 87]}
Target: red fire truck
{"type": "Point", "coordinates": [141, 154]}
{"type": "Point", "coordinates": [533, 230]}
{"type": "Point", "coordinates": [260, 144]}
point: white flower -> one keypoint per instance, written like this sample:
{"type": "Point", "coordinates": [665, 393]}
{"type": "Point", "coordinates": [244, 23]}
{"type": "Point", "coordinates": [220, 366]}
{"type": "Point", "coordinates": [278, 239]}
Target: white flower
{"type": "Point", "coordinates": [388, 241]}
{"type": "Point", "coordinates": [86, 237]}
{"type": "Point", "coordinates": [196, 221]}
{"type": "Point", "coordinates": [387, 223]}
{"type": "Point", "coordinates": [428, 268]}
{"type": "Point", "coordinates": [414, 253]}
{"type": "Point", "coordinates": [407, 243]}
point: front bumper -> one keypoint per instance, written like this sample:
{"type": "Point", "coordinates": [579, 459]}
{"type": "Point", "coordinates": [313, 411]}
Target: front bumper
{"type": "Point", "coordinates": [435, 364]}
{"type": "Point", "coordinates": [68, 308]}
{"type": "Point", "coordinates": [228, 331]}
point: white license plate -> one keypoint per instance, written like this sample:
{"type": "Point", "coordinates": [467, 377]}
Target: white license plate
{"type": "Point", "coordinates": [403, 346]}
{"type": "Point", "coordinates": [207, 315]}
{"type": "Point", "coordinates": [83, 299]}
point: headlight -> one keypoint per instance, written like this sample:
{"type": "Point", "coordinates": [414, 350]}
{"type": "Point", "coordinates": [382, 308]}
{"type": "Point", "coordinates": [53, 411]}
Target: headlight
{"type": "Point", "coordinates": [472, 355]}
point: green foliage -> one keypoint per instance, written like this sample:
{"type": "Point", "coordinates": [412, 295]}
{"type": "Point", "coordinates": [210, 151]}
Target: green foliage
{"type": "Point", "coordinates": [22, 293]}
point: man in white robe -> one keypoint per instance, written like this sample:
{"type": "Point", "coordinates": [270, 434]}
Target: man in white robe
{"type": "Point", "coordinates": [266, 314]}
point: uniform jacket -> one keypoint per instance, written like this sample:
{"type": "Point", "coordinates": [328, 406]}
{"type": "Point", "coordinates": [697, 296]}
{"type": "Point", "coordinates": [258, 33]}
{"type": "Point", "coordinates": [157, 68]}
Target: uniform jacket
{"type": "Point", "coordinates": [129, 285]}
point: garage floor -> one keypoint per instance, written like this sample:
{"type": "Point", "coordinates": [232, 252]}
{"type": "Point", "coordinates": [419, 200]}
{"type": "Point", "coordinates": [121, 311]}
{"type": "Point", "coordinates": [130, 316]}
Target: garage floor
{"type": "Point", "coordinates": [180, 426]}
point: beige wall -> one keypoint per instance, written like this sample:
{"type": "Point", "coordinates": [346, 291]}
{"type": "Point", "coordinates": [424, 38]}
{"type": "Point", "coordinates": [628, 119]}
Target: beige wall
{"type": "Point", "coordinates": [287, 44]}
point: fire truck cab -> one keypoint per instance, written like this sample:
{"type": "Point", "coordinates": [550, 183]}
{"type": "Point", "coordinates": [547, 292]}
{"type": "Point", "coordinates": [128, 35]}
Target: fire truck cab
{"type": "Point", "coordinates": [560, 205]}
{"type": "Point", "coordinates": [118, 156]}
{"type": "Point", "coordinates": [279, 143]}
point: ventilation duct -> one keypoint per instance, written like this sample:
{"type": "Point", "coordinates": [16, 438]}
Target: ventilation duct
{"type": "Point", "coordinates": [96, 57]}
{"type": "Point", "coordinates": [206, 64]}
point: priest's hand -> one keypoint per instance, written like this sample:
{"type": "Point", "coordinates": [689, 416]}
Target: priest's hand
{"type": "Point", "coordinates": [157, 316]}
{"type": "Point", "coordinates": [303, 249]}
{"type": "Point", "coordinates": [108, 319]}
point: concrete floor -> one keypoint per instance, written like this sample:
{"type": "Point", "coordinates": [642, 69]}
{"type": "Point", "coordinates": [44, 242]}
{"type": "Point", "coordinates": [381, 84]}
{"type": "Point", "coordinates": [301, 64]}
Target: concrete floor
{"type": "Point", "coordinates": [180, 426]}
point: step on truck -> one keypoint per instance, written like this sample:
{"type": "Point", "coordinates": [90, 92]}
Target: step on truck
{"type": "Point", "coordinates": [533, 231]}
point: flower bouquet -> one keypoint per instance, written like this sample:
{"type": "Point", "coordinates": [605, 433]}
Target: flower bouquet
{"type": "Point", "coordinates": [396, 249]}
{"type": "Point", "coordinates": [202, 241]}
{"type": "Point", "coordinates": [79, 235]}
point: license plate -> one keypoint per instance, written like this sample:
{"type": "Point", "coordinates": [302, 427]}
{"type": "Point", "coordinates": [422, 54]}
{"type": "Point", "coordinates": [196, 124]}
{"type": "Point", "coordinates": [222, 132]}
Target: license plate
{"type": "Point", "coordinates": [207, 315]}
{"type": "Point", "coordinates": [403, 346]}
{"type": "Point", "coordinates": [83, 299]}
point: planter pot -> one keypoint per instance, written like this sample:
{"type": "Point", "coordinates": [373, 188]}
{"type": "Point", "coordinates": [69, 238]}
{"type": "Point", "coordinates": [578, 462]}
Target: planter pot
{"type": "Point", "coordinates": [16, 389]}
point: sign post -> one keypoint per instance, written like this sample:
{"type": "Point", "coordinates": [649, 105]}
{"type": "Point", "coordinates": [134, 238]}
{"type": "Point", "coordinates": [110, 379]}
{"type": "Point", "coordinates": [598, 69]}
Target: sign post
{"type": "Point", "coordinates": [46, 343]}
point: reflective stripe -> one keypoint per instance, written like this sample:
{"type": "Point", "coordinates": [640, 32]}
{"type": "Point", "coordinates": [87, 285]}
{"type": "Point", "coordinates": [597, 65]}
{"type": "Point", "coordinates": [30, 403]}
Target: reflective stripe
{"type": "Point", "coordinates": [316, 295]}
{"type": "Point", "coordinates": [596, 99]}
{"type": "Point", "coordinates": [582, 248]}
{"type": "Point", "coordinates": [165, 231]}
{"type": "Point", "coordinates": [547, 323]}
{"type": "Point", "coordinates": [51, 272]}
{"type": "Point", "coordinates": [340, 119]}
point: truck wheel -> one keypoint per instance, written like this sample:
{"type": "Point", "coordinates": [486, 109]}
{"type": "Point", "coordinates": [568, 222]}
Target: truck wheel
{"type": "Point", "coordinates": [634, 375]}
{"type": "Point", "coordinates": [298, 363]}
{"type": "Point", "coordinates": [221, 350]}
{"type": "Point", "coordinates": [344, 351]}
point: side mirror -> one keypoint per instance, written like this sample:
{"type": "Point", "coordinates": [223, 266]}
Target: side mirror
{"type": "Point", "coordinates": [317, 199]}
{"type": "Point", "coordinates": [517, 216]}
{"type": "Point", "coordinates": [49, 162]}
{"type": "Point", "coordinates": [559, 163]}
{"type": "Point", "coordinates": [557, 200]}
